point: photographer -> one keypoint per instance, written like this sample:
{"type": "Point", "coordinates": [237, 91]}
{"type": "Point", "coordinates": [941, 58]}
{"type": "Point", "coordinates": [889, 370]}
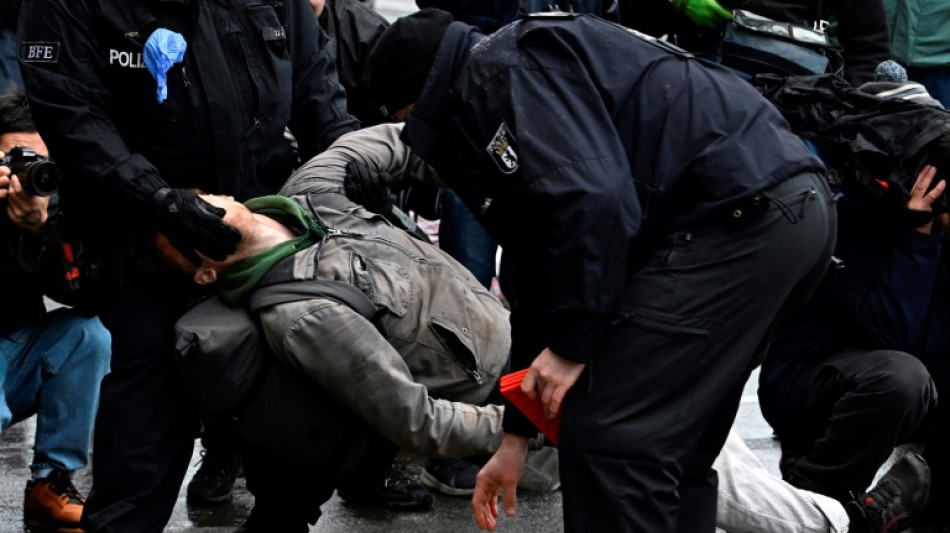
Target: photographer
{"type": "Point", "coordinates": [865, 362]}
{"type": "Point", "coordinates": [52, 361]}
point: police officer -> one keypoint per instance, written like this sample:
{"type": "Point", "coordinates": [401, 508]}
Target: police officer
{"type": "Point", "coordinates": [657, 217]}
{"type": "Point", "coordinates": [142, 101]}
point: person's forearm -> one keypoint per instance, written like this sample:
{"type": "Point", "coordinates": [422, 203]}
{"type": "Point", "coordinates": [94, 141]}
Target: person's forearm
{"type": "Point", "coordinates": [341, 352]}
{"type": "Point", "coordinates": [378, 147]}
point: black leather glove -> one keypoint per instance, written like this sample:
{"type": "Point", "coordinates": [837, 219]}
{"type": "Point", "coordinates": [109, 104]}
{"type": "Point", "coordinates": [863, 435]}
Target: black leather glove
{"type": "Point", "coordinates": [191, 223]}
{"type": "Point", "coordinates": [368, 187]}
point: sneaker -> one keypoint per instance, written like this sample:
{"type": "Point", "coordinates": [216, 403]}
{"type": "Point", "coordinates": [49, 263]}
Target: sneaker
{"type": "Point", "coordinates": [894, 504]}
{"type": "Point", "coordinates": [455, 477]}
{"type": "Point", "coordinates": [395, 491]}
{"type": "Point", "coordinates": [214, 481]}
{"type": "Point", "coordinates": [53, 502]}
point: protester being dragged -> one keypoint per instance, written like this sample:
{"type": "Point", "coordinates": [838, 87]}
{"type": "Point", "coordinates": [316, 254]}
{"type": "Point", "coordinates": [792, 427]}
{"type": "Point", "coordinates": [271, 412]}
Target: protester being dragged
{"type": "Point", "coordinates": [425, 386]}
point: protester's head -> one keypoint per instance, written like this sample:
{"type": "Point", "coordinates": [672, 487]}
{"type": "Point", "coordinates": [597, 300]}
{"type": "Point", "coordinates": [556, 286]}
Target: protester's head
{"type": "Point", "coordinates": [16, 125]}
{"type": "Point", "coordinates": [401, 59]}
{"type": "Point", "coordinates": [237, 216]}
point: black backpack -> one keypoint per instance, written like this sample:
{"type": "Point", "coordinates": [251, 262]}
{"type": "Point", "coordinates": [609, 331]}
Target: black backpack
{"type": "Point", "coordinates": [234, 379]}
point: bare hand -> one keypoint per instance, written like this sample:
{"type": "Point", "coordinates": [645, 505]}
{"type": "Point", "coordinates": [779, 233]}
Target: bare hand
{"type": "Point", "coordinates": [4, 179]}
{"type": "Point", "coordinates": [28, 212]}
{"type": "Point", "coordinates": [920, 198]}
{"type": "Point", "coordinates": [551, 376]}
{"type": "Point", "coordinates": [501, 473]}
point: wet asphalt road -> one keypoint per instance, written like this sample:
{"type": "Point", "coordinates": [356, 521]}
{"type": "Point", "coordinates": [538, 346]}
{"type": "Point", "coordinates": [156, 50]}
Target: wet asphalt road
{"type": "Point", "coordinates": [536, 512]}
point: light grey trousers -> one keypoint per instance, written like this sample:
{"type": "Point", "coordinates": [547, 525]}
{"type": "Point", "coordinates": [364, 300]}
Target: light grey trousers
{"type": "Point", "coordinates": [753, 500]}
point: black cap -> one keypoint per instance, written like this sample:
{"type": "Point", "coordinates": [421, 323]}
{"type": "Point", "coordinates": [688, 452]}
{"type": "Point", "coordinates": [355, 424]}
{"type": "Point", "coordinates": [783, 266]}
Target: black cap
{"type": "Point", "coordinates": [401, 59]}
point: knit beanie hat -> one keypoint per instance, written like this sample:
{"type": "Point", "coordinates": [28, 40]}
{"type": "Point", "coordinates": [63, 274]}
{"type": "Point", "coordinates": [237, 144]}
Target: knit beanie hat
{"type": "Point", "coordinates": [890, 70]}
{"type": "Point", "coordinates": [910, 91]}
{"type": "Point", "coordinates": [399, 63]}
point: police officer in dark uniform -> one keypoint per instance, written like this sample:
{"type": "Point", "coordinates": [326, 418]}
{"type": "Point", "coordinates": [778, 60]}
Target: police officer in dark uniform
{"type": "Point", "coordinates": [142, 101]}
{"type": "Point", "coordinates": [657, 218]}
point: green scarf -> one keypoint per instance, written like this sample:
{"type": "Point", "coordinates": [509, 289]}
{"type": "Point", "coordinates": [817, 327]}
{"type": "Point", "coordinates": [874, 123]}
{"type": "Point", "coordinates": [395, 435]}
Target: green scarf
{"type": "Point", "coordinates": [244, 275]}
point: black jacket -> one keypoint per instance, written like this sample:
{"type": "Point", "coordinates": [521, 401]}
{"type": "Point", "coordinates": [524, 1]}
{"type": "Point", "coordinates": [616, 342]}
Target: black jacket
{"type": "Point", "coordinates": [252, 68]}
{"type": "Point", "coordinates": [9, 11]}
{"type": "Point", "coordinates": [22, 294]}
{"type": "Point", "coordinates": [576, 143]}
{"type": "Point", "coordinates": [354, 30]}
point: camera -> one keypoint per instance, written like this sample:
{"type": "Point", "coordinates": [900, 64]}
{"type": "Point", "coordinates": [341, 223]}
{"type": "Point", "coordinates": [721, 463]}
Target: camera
{"type": "Point", "coordinates": [39, 176]}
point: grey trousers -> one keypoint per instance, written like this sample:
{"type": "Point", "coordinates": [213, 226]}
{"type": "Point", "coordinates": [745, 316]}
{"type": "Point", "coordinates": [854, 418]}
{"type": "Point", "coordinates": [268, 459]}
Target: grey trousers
{"type": "Point", "coordinates": [753, 500]}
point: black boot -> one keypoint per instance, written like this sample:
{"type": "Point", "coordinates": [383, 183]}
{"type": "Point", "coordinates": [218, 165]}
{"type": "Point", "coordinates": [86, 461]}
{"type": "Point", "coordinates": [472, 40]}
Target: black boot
{"type": "Point", "coordinates": [214, 481]}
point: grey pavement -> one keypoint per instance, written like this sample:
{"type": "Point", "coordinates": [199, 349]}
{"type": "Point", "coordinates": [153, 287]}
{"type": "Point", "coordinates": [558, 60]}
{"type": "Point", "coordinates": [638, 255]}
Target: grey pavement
{"type": "Point", "coordinates": [536, 512]}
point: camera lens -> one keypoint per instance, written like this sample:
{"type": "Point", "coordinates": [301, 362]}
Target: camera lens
{"type": "Point", "coordinates": [41, 178]}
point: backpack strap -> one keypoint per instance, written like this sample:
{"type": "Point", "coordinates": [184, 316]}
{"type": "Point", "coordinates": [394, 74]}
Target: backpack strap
{"type": "Point", "coordinates": [297, 290]}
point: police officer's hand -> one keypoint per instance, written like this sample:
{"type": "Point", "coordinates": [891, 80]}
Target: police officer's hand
{"type": "Point", "coordinates": [704, 13]}
{"type": "Point", "coordinates": [192, 224]}
{"type": "Point", "coordinates": [549, 378]}
{"type": "Point", "coordinates": [368, 187]}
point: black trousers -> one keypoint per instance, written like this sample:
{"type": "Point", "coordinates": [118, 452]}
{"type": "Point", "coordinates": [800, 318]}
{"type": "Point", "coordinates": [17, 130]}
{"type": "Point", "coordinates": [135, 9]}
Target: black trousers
{"type": "Point", "coordinates": [642, 426]}
{"type": "Point", "coordinates": [145, 427]}
{"type": "Point", "coordinates": [288, 494]}
{"type": "Point", "coordinates": [860, 404]}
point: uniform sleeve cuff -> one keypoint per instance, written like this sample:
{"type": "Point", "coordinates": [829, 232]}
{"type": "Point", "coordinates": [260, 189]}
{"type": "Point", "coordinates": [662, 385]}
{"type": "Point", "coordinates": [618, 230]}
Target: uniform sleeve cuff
{"type": "Point", "coordinates": [576, 336]}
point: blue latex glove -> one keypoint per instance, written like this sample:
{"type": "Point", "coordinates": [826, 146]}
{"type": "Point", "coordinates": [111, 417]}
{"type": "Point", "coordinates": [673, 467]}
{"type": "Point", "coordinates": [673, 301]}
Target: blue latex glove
{"type": "Point", "coordinates": [163, 49]}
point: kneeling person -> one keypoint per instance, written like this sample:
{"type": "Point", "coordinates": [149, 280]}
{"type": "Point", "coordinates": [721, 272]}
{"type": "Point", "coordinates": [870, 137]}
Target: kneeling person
{"type": "Point", "coordinates": [425, 387]}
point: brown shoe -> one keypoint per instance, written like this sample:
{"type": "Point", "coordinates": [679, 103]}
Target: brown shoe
{"type": "Point", "coordinates": [53, 502]}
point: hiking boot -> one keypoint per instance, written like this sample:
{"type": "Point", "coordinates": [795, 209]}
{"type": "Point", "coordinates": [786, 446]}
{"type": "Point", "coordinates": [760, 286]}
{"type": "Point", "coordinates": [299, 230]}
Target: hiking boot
{"type": "Point", "coordinates": [53, 502]}
{"type": "Point", "coordinates": [894, 504]}
{"type": "Point", "coordinates": [214, 481]}
{"type": "Point", "coordinates": [455, 477]}
{"type": "Point", "coordinates": [395, 490]}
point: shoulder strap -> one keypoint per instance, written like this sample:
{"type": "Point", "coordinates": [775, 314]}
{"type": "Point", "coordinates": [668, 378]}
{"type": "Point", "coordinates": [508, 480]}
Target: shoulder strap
{"type": "Point", "coordinates": [297, 290]}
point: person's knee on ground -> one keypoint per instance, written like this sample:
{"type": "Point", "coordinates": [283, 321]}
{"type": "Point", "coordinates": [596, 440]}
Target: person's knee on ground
{"type": "Point", "coordinates": [58, 381]}
{"type": "Point", "coordinates": [866, 415]}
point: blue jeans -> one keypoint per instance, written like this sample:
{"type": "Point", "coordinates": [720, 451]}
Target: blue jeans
{"type": "Point", "coordinates": [936, 80]}
{"type": "Point", "coordinates": [464, 238]}
{"type": "Point", "coordinates": [53, 369]}
{"type": "Point", "coordinates": [9, 70]}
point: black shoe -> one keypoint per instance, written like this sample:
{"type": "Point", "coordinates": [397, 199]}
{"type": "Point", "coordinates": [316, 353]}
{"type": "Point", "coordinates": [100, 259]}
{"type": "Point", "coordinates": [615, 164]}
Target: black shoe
{"type": "Point", "coordinates": [213, 482]}
{"type": "Point", "coordinates": [894, 504]}
{"type": "Point", "coordinates": [455, 477]}
{"type": "Point", "coordinates": [395, 491]}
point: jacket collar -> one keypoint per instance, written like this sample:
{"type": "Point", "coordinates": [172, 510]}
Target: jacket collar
{"type": "Point", "coordinates": [425, 130]}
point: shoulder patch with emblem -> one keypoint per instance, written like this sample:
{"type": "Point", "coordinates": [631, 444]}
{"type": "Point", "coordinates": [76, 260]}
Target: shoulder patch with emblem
{"type": "Point", "coordinates": [502, 150]}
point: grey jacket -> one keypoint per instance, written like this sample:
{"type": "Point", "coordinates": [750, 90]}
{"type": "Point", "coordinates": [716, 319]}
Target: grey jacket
{"type": "Point", "coordinates": [448, 337]}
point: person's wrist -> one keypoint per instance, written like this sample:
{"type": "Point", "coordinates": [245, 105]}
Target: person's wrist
{"type": "Point", "coordinates": [516, 442]}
